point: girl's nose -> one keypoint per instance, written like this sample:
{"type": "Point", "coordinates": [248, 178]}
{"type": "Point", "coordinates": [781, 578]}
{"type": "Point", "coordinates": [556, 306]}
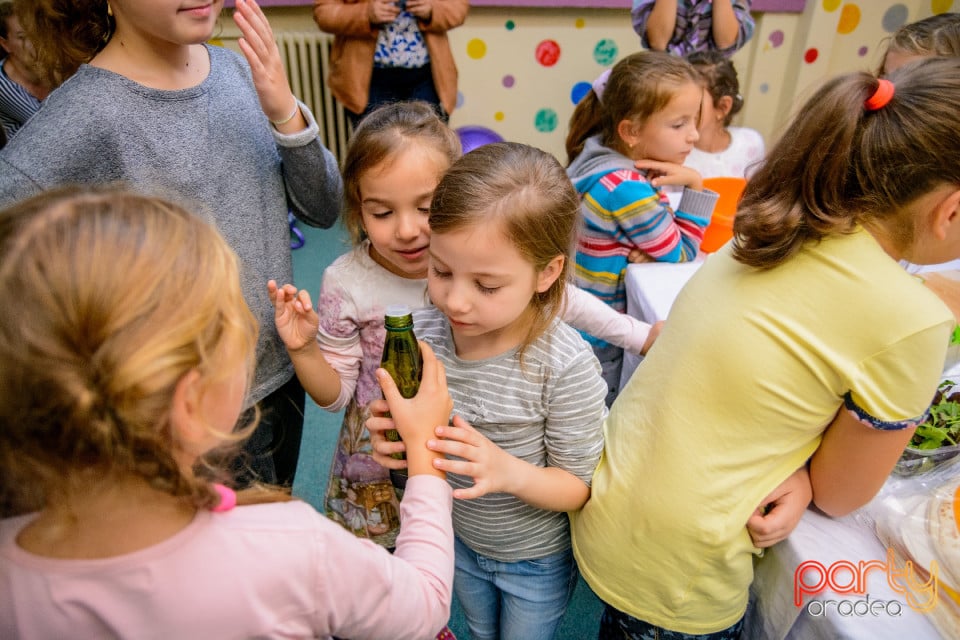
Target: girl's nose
{"type": "Point", "coordinates": [408, 226]}
{"type": "Point", "coordinates": [457, 299]}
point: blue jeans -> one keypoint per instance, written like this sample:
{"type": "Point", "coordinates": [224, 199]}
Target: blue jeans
{"type": "Point", "coordinates": [617, 625]}
{"type": "Point", "coordinates": [522, 600]}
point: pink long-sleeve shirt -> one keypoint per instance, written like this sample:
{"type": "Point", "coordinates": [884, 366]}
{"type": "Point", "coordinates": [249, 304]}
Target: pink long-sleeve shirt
{"type": "Point", "coordinates": [277, 570]}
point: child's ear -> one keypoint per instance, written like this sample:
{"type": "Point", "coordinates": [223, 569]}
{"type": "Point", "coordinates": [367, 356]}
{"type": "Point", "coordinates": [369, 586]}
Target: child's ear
{"type": "Point", "coordinates": [629, 132]}
{"type": "Point", "coordinates": [550, 273]}
{"type": "Point", "coordinates": [946, 217]}
{"type": "Point", "coordinates": [185, 417]}
{"type": "Point", "coordinates": [724, 105]}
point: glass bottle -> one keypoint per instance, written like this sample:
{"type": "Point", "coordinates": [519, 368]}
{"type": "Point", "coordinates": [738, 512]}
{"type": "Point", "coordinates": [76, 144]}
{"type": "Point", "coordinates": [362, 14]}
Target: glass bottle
{"type": "Point", "coordinates": [401, 359]}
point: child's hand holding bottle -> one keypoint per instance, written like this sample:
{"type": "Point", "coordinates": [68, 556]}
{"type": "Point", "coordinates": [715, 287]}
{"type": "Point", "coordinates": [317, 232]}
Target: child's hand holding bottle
{"type": "Point", "coordinates": [417, 418]}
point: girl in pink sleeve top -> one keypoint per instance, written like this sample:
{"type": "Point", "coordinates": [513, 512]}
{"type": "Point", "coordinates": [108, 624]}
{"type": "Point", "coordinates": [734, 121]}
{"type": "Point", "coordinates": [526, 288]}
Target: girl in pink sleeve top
{"type": "Point", "coordinates": [115, 385]}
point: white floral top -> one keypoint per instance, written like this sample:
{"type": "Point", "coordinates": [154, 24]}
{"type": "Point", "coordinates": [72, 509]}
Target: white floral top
{"type": "Point", "coordinates": [400, 44]}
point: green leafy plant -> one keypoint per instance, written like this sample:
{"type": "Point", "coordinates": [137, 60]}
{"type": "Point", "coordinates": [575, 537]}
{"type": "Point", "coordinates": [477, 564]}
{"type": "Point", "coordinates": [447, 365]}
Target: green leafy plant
{"type": "Point", "coordinates": [942, 427]}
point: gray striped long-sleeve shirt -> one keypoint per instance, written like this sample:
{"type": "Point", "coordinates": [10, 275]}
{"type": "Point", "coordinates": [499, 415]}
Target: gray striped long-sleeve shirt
{"type": "Point", "coordinates": [550, 413]}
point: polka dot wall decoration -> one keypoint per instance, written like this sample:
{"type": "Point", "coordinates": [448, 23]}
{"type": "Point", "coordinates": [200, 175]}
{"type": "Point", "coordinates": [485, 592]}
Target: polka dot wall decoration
{"type": "Point", "coordinates": [894, 18]}
{"type": "Point", "coordinates": [579, 90]}
{"type": "Point", "coordinates": [605, 52]}
{"type": "Point", "coordinates": [476, 48]}
{"type": "Point", "coordinates": [941, 6]}
{"type": "Point", "coordinates": [548, 53]}
{"type": "Point", "coordinates": [523, 75]}
{"type": "Point", "coordinates": [849, 18]}
{"type": "Point", "coordinates": [545, 120]}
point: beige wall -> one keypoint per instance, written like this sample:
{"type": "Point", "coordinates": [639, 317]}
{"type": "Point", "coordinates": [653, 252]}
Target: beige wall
{"type": "Point", "coordinates": [504, 87]}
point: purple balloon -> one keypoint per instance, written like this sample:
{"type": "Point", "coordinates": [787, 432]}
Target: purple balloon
{"type": "Point", "coordinates": [473, 136]}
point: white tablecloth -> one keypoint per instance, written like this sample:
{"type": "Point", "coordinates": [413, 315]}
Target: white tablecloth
{"type": "Point", "coordinates": [773, 614]}
{"type": "Point", "coordinates": [651, 290]}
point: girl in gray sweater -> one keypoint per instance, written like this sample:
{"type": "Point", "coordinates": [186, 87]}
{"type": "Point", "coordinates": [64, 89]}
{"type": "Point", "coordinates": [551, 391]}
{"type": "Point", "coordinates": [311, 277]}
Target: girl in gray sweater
{"type": "Point", "coordinates": [148, 103]}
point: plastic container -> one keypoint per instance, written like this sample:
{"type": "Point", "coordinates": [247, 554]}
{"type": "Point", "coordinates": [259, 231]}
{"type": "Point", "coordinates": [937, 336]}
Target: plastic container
{"type": "Point", "coordinates": [720, 229]}
{"type": "Point", "coordinates": [914, 461]}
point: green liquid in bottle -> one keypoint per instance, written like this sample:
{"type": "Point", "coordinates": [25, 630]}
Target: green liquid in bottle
{"type": "Point", "coordinates": [401, 359]}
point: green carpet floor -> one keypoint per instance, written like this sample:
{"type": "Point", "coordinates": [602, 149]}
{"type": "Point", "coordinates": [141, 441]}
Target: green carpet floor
{"type": "Point", "coordinates": [320, 432]}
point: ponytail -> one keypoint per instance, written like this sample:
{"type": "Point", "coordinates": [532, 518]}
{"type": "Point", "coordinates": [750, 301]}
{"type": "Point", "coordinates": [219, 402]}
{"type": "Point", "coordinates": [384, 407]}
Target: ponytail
{"type": "Point", "coordinates": [839, 165]}
{"type": "Point", "coordinates": [584, 122]}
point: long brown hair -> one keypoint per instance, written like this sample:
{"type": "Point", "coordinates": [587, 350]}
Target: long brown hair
{"type": "Point", "coordinates": [839, 165]}
{"type": "Point", "coordinates": [639, 86]}
{"type": "Point", "coordinates": [65, 33]}
{"type": "Point", "coordinates": [525, 190]}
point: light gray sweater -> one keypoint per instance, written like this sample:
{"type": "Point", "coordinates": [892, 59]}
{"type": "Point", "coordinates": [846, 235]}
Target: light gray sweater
{"type": "Point", "coordinates": [209, 148]}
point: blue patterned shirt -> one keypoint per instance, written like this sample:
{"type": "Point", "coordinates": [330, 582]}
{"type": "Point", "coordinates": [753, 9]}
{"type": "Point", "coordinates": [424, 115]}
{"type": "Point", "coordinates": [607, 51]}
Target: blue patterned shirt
{"type": "Point", "coordinates": [400, 44]}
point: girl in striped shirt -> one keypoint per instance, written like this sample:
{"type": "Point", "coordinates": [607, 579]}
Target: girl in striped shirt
{"type": "Point", "coordinates": [629, 136]}
{"type": "Point", "coordinates": [527, 390]}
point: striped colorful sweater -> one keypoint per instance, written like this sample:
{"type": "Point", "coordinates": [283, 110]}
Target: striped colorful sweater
{"type": "Point", "coordinates": [622, 211]}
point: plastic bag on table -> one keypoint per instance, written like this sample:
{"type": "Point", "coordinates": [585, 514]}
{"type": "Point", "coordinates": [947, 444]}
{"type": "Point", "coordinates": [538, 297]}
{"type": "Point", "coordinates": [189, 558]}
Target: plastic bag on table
{"type": "Point", "coordinates": [918, 519]}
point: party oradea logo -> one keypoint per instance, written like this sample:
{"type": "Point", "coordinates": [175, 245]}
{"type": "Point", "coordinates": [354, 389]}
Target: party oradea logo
{"type": "Point", "coordinates": [812, 580]}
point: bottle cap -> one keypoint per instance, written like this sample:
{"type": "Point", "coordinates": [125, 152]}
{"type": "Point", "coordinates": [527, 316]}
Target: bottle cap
{"type": "Point", "coordinates": [397, 310]}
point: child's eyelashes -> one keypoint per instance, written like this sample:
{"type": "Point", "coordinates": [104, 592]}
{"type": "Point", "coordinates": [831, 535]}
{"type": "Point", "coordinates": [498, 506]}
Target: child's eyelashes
{"type": "Point", "coordinates": [384, 214]}
{"type": "Point", "coordinates": [444, 275]}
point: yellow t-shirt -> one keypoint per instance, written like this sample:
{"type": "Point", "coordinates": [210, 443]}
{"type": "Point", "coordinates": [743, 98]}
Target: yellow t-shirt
{"type": "Point", "coordinates": [751, 366]}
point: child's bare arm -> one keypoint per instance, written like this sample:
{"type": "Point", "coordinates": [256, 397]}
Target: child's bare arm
{"type": "Point", "coordinates": [852, 463]}
{"type": "Point", "coordinates": [661, 24]}
{"type": "Point", "coordinates": [724, 24]}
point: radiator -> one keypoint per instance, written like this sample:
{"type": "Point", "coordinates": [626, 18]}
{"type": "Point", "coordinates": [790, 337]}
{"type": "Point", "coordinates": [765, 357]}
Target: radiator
{"type": "Point", "coordinates": [306, 56]}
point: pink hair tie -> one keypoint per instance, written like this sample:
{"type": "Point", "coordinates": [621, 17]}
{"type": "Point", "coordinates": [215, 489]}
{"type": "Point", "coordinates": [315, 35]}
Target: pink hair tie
{"type": "Point", "coordinates": [600, 84]}
{"type": "Point", "coordinates": [881, 97]}
{"type": "Point", "coordinates": [228, 498]}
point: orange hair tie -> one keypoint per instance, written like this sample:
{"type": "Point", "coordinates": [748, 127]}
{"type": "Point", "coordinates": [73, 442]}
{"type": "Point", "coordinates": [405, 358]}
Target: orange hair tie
{"type": "Point", "coordinates": [881, 97]}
